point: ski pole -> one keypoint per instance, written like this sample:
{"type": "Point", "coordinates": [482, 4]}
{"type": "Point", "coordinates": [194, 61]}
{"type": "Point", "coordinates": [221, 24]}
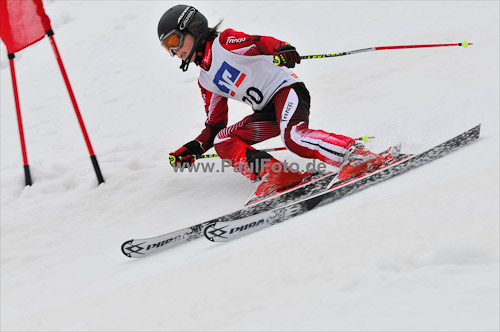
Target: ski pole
{"type": "Point", "coordinates": [214, 155]}
{"type": "Point", "coordinates": [464, 44]}
{"type": "Point", "coordinates": [173, 159]}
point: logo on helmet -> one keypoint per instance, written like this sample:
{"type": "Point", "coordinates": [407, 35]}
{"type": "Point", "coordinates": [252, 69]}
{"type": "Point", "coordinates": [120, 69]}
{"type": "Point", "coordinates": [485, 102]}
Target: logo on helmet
{"type": "Point", "coordinates": [186, 17]}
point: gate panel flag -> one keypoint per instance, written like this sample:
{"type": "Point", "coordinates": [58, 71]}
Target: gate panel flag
{"type": "Point", "coordinates": [22, 23]}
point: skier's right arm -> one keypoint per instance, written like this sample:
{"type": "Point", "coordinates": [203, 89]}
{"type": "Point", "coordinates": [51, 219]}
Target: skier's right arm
{"type": "Point", "coordinates": [216, 109]}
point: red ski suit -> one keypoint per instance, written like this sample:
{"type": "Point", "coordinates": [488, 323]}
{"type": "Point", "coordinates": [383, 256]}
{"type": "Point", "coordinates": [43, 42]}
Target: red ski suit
{"type": "Point", "coordinates": [234, 142]}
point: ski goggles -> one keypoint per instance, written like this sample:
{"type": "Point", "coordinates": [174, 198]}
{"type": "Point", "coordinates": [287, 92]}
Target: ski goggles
{"type": "Point", "coordinates": [173, 41]}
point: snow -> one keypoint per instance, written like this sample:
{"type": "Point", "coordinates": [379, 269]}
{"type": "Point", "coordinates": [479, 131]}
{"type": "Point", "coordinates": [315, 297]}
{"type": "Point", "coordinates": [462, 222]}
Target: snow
{"type": "Point", "coordinates": [418, 252]}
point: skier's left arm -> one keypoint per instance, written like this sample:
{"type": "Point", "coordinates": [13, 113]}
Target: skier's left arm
{"type": "Point", "coordinates": [286, 56]}
{"type": "Point", "coordinates": [284, 53]}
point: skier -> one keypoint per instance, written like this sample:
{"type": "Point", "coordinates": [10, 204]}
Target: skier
{"type": "Point", "coordinates": [254, 70]}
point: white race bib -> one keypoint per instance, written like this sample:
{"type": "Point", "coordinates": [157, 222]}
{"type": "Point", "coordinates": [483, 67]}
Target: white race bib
{"type": "Point", "coordinates": [250, 79]}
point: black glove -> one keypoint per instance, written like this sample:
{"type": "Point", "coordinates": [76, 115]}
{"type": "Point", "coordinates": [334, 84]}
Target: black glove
{"type": "Point", "coordinates": [186, 155]}
{"type": "Point", "coordinates": [286, 56]}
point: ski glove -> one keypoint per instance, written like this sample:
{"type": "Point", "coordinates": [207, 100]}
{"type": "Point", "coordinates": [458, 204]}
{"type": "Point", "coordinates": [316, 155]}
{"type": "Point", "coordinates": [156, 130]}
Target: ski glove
{"type": "Point", "coordinates": [186, 155]}
{"type": "Point", "coordinates": [286, 56]}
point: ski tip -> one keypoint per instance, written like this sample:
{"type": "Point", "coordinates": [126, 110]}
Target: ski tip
{"type": "Point", "coordinates": [211, 232]}
{"type": "Point", "coordinates": [124, 250]}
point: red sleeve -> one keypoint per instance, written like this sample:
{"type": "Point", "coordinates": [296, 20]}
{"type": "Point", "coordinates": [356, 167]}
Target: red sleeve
{"type": "Point", "coordinates": [216, 109]}
{"type": "Point", "coordinates": [242, 43]}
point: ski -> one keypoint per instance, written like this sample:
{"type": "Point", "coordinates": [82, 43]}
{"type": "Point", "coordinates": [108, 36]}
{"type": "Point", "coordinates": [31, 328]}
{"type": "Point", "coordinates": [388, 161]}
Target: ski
{"type": "Point", "coordinates": [223, 231]}
{"type": "Point", "coordinates": [138, 248]}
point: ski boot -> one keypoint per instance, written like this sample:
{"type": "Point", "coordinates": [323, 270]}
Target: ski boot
{"type": "Point", "coordinates": [276, 177]}
{"type": "Point", "coordinates": [359, 160]}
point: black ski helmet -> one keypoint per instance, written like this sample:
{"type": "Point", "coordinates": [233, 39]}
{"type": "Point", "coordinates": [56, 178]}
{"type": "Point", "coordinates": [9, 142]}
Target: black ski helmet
{"type": "Point", "coordinates": [184, 19]}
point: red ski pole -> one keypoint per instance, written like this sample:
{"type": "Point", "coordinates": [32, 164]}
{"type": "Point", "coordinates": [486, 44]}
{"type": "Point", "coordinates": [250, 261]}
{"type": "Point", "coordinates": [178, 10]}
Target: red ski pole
{"type": "Point", "coordinates": [464, 44]}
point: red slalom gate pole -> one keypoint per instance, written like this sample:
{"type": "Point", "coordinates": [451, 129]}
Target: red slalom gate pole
{"type": "Point", "coordinates": [27, 174]}
{"type": "Point", "coordinates": [464, 44]}
{"type": "Point", "coordinates": [93, 158]}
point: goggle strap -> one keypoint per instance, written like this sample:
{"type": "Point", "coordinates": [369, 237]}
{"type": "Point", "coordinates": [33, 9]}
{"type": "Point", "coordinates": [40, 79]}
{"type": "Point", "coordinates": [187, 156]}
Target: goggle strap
{"type": "Point", "coordinates": [185, 63]}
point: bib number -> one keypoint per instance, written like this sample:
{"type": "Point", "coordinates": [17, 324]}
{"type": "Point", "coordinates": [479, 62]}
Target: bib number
{"type": "Point", "coordinates": [255, 97]}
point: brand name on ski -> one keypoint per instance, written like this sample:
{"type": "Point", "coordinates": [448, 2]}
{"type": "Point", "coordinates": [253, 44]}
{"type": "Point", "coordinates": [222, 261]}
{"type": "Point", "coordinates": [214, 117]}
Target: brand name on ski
{"type": "Point", "coordinates": [247, 226]}
{"type": "Point", "coordinates": [162, 243]}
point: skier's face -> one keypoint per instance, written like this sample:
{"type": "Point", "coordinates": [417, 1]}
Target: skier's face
{"type": "Point", "coordinates": [184, 51]}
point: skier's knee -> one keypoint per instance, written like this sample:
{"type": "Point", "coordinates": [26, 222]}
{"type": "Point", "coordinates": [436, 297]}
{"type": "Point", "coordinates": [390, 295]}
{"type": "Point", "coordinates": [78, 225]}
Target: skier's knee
{"type": "Point", "coordinates": [219, 143]}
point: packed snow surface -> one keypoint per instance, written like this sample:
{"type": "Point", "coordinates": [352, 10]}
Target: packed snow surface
{"type": "Point", "coordinates": [419, 252]}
